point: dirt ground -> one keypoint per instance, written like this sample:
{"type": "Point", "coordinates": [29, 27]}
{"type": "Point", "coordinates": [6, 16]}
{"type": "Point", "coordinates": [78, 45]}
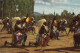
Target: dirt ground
{"type": "Point", "coordinates": [63, 45]}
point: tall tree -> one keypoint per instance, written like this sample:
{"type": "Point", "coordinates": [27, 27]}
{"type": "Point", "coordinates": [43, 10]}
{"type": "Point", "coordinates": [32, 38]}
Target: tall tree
{"type": "Point", "coordinates": [18, 7]}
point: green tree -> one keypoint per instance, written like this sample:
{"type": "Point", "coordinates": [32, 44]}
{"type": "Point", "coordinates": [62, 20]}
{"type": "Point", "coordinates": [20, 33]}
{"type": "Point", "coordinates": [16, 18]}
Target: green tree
{"type": "Point", "coordinates": [18, 7]}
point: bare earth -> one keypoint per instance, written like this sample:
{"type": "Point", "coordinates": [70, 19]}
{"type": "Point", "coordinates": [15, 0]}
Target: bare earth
{"type": "Point", "coordinates": [63, 45]}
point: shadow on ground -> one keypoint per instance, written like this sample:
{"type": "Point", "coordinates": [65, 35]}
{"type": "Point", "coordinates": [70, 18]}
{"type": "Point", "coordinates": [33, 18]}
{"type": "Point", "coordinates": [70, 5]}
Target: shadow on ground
{"type": "Point", "coordinates": [22, 52]}
{"type": "Point", "coordinates": [77, 49]}
{"type": "Point", "coordinates": [5, 37]}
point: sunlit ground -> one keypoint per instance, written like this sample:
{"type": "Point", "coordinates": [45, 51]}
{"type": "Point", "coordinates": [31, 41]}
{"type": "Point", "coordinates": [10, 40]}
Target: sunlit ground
{"type": "Point", "coordinates": [63, 45]}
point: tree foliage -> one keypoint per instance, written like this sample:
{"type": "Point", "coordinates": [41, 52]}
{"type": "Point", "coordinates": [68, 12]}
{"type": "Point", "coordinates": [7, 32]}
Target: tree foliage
{"type": "Point", "coordinates": [18, 7]}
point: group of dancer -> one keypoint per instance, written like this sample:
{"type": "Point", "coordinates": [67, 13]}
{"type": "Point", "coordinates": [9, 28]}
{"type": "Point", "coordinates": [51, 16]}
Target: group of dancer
{"type": "Point", "coordinates": [43, 36]}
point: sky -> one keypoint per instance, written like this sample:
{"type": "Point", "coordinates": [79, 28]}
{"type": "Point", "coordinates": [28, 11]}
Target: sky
{"type": "Point", "coordinates": [57, 6]}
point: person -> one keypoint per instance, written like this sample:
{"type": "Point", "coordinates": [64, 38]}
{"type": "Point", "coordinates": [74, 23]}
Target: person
{"type": "Point", "coordinates": [7, 25]}
{"type": "Point", "coordinates": [41, 33]}
{"type": "Point", "coordinates": [20, 30]}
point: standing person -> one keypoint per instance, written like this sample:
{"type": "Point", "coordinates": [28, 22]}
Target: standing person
{"type": "Point", "coordinates": [52, 31]}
